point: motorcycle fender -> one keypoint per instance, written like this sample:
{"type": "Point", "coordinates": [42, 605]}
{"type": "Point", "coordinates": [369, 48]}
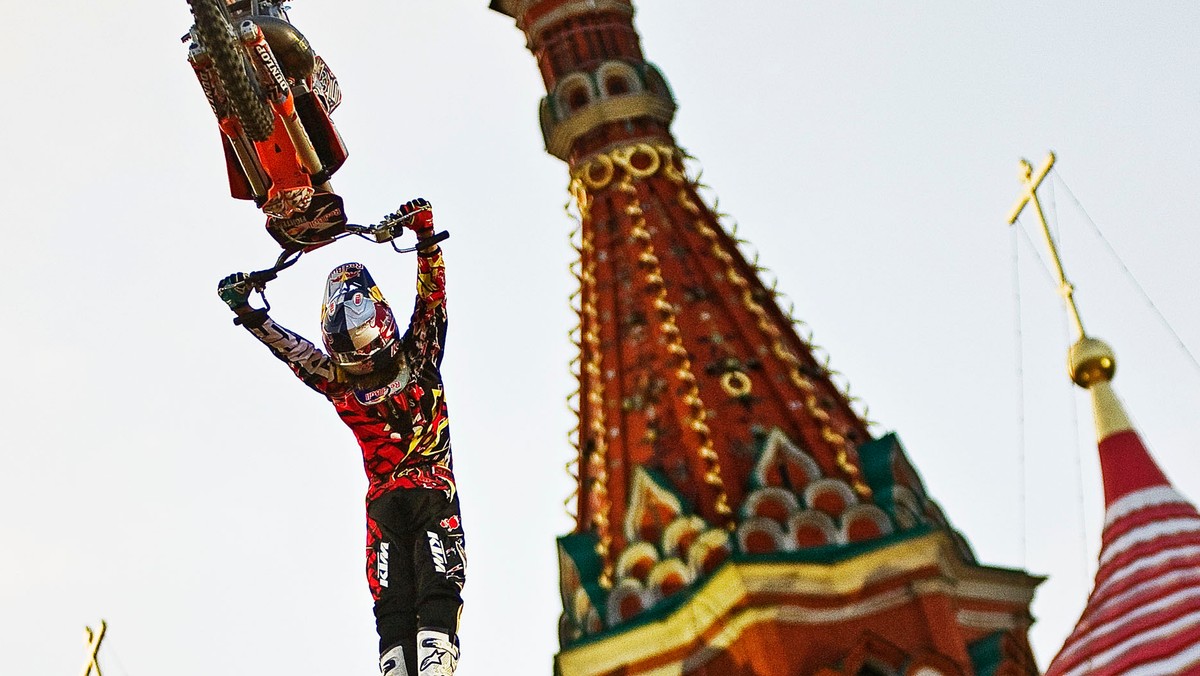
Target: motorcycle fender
{"type": "Point", "coordinates": [278, 157]}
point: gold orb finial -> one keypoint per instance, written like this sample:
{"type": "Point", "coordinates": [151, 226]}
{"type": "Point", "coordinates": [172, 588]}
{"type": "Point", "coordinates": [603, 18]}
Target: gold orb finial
{"type": "Point", "coordinates": [1090, 361]}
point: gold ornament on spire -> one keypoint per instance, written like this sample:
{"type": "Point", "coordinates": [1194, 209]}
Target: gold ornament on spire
{"type": "Point", "coordinates": [1089, 361]}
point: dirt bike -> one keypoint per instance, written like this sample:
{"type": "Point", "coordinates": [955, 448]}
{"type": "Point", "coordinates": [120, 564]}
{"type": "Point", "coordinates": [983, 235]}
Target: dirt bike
{"type": "Point", "coordinates": [272, 96]}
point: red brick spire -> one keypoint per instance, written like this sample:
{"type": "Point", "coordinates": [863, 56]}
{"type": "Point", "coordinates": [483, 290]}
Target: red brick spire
{"type": "Point", "coordinates": [731, 503]}
{"type": "Point", "coordinates": [687, 361]}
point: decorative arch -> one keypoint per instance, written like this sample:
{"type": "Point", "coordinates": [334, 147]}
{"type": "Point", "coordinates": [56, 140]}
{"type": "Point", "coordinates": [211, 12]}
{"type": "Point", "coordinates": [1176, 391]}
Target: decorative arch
{"type": "Point", "coordinates": [709, 551]}
{"type": "Point", "coordinates": [652, 507]}
{"type": "Point", "coordinates": [865, 522]}
{"type": "Point", "coordinates": [655, 82]}
{"type": "Point", "coordinates": [573, 93]}
{"type": "Point", "coordinates": [617, 78]}
{"type": "Point", "coordinates": [758, 535]}
{"type": "Point", "coordinates": [681, 533]}
{"type": "Point", "coordinates": [771, 503]}
{"type": "Point", "coordinates": [782, 463]}
{"type": "Point", "coordinates": [637, 561]}
{"type": "Point", "coordinates": [627, 599]}
{"type": "Point", "coordinates": [811, 528]}
{"type": "Point", "coordinates": [584, 613]}
{"type": "Point", "coordinates": [668, 577]}
{"type": "Point", "coordinates": [832, 496]}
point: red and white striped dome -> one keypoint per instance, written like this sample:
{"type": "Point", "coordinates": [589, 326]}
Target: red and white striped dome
{"type": "Point", "coordinates": [1143, 616]}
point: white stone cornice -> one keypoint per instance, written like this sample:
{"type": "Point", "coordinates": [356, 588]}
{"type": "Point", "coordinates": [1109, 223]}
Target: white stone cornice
{"type": "Point", "coordinates": [989, 621]}
{"type": "Point", "coordinates": [856, 587]}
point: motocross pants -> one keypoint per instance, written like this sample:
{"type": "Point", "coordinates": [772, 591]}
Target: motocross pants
{"type": "Point", "coordinates": [416, 566]}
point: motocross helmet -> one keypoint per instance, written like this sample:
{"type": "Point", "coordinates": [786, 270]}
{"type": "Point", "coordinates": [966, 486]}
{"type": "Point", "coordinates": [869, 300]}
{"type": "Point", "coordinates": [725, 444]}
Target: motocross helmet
{"type": "Point", "coordinates": [357, 325]}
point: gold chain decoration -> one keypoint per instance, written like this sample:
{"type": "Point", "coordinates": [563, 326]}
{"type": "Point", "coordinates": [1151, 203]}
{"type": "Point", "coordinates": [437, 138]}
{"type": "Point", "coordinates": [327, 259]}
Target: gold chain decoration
{"type": "Point", "coordinates": [598, 459]}
{"type": "Point", "coordinates": [572, 466]}
{"type": "Point", "coordinates": [842, 445]}
{"type": "Point", "coordinates": [640, 161]}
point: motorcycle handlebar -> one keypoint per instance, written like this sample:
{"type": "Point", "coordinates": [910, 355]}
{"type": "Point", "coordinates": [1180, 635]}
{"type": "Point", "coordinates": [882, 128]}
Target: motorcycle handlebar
{"type": "Point", "coordinates": [259, 278]}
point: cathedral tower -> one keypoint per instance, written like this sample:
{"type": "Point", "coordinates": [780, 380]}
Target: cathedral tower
{"type": "Point", "coordinates": [734, 514]}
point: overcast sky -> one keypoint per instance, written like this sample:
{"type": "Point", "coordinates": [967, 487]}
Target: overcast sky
{"type": "Point", "coordinates": [162, 471]}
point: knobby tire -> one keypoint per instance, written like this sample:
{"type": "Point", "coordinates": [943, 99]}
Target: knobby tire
{"type": "Point", "coordinates": [217, 35]}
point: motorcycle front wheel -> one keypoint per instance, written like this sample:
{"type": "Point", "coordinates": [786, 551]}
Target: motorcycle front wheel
{"type": "Point", "coordinates": [217, 36]}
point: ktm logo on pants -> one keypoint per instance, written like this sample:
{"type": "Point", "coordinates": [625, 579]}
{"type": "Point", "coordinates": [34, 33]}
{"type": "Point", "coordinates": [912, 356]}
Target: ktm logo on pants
{"type": "Point", "coordinates": [438, 552]}
{"type": "Point", "coordinates": [381, 564]}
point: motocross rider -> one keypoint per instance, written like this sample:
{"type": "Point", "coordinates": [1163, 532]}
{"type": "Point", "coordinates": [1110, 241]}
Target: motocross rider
{"type": "Point", "coordinates": [387, 388]}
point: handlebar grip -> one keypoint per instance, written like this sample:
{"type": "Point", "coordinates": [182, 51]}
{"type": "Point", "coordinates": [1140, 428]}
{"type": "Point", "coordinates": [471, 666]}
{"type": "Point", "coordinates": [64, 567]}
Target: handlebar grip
{"type": "Point", "coordinates": [433, 239]}
{"type": "Point", "coordinates": [253, 320]}
{"type": "Point", "coordinates": [259, 278]}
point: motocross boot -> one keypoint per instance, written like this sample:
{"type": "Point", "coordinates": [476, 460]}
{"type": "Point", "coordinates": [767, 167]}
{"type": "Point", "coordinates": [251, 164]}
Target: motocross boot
{"type": "Point", "coordinates": [437, 654]}
{"type": "Point", "coordinates": [391, 663]}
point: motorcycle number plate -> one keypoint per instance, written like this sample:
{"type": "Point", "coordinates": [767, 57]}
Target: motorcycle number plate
{"type": "Point", "coordinates": [325, 86]}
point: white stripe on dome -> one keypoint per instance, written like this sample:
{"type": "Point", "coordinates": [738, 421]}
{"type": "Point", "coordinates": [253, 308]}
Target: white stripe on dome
{"type": "Point", "coordinates": [1147, 562]}
{"type": "Point", "coordinates": [1186, 576]}
{"type": "Point", "coordinates": [1120, 622]}
{"type": "Point", "coordinates": [1141, 499]}
{"type": "Point", "coordinates": [1174, 664]}
{"type": "Point", "coordinates": [1095, 662]}
{"type": "Point", "coordinates": [1150, 531]}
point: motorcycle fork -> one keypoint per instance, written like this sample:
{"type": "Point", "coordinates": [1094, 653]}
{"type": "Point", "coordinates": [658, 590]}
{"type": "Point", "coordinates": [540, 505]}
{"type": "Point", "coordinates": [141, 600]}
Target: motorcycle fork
{"type": "Point", "coordinates": [283, 102]}
{"type": "Point", "coordinates": [255, 173]}
{"type": "Point", "coordinates": [210, 82]}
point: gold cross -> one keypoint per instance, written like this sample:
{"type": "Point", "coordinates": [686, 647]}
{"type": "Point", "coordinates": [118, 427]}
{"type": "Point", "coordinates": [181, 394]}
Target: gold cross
{"type": "Point", "coordinates": [93, 643]}
{"type": "Point", "coordinates": [1031, 183]}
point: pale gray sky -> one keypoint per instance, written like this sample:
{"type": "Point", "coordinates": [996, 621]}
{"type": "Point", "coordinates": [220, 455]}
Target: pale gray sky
{"type": "Point", "coordinates": [162, 471]}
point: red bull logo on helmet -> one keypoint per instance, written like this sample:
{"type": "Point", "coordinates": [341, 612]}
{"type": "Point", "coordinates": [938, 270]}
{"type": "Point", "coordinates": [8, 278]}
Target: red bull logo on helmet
{"type": "Point", "coordinates": [345, 271]}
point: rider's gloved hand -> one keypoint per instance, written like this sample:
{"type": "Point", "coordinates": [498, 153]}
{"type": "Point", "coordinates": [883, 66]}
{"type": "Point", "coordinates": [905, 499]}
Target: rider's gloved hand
{"type": "Point", "coordinates": [421, 221]}
{"type": "Point", "coordinates": [235, 290]}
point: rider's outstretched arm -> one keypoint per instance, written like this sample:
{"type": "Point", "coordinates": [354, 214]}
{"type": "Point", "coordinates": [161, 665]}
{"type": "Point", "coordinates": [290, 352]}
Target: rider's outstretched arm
{"type": "Point", "coordinates": [427, 329]}
{"type": "Point", "coordinates": [305, 359]}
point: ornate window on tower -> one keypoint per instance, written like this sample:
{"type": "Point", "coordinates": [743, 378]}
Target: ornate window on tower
{"type": "Point", "coordinates": [574, 93]}
{"type": "Point", "coordinates": [618, 78]}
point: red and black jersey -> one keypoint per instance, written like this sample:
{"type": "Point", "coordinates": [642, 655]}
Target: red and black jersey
{"type": "Point", "coordinates": [402, 426]}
